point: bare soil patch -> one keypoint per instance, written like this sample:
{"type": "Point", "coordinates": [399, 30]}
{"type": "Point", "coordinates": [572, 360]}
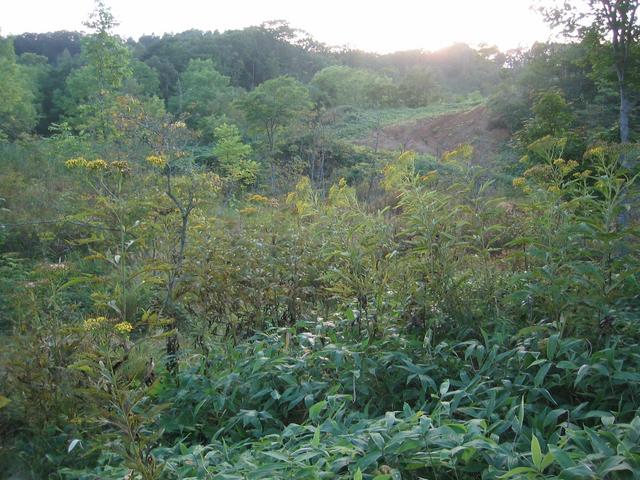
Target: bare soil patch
{"type": "Point", "coordinates": [441, 134]}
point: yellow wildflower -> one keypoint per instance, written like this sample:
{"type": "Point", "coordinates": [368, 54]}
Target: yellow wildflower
{"type": "Point", "coordinates": [595, 152]}
{"type": "Point", "coordinates": [78, 162]}
{"type": "Point", "coordinates": [257, 198]}
{"type": "Point", "coordinates": [519, 182]}
{"type": "Point", "coordinates": [157, 160]}
{"type": "Point", "coordinates": [91, 324]}
{"type": "Point", "coordinates": [97, 164]}
{"type": "Point", "coordinates": [558, 162]}
{"type": "Point", "coordinates": [123, 327]}
{"type": "Point", "coordinates": [569, 167]}
{"type": "Point", "coordinates": [462, 152]}
{"type": "Point", "coordinates": [538, 171]}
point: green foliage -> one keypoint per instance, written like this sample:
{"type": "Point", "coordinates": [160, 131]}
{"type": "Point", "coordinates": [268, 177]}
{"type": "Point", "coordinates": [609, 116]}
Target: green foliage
{"type": "Point", "coordinates": [340, 85]}
{"type": "Point", "coordinates": [17, 112]}
{"type": "Point", "coordinates": [551, 116]}
{"type": "Point", "coordinates": [91, 91]}
{"type": "Point", "coordinates": [234, 156]}
{"type": "Point", "coordinates": [324, 405]}
{"type": "Point", "coordinates": [144, 81]}
{"type": "Point", "coordinates": [204, 96]}
{"type": "Point", "coordinates": [380, 315]}
{"type": "Point", "coordinates": [451, 332]}
{"type": "Point", "coordinates": [356, 124]}
{"type": "Point", "coordinates": [418, 88]}
{"type": "Point", "coordinates": [272, 110]}
{"type": "Point", "coordinates": [274, 105]}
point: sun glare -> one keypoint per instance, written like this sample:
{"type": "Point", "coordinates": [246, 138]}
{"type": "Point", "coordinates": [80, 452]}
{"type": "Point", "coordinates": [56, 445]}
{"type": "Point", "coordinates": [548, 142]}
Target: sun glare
{"type": "Point", "coordinates": [379, 26]}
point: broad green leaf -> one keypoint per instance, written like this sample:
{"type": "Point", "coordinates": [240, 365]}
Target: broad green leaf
{"type": "Point", "coordinates": [546, 461]}
{"type": "Point", "coordinates": [518, 471]}
{"type": "Point", "coordinates": [536, 453]}
{"type": "Point", "coordinates": [444, 387]}
{"type": "Point", "coordinates": [314, 411]}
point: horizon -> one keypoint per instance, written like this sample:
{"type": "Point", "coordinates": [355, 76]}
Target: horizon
{"type": "Point", "coordinates": [429, 28]}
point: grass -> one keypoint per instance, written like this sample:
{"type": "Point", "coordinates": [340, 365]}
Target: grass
{"type": "Point", "coordinates": [353, 124]}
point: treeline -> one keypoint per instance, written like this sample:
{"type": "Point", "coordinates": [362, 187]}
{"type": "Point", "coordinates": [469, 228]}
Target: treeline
{"type": "Point", "coordinates": [165, 67]}
{"type": "Point", "coordinates": [42, 80]}
{"type": "Point", "coordinates": [284, 92]}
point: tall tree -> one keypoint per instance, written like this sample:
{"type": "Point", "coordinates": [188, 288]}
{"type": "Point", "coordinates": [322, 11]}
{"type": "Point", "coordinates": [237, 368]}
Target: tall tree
{"type": "Point", "coordinates": [204, 95]}
{"type": "Point", "coordinates": [233, 154]}
{"type": "Point", "coordinates": [91, 91]}
{"type": "Point", "coordinates": [17, 109]}
{"type": "Point", "coordinates": [272, 107]}
{"type": "Point", "coordinates": [614, 21]}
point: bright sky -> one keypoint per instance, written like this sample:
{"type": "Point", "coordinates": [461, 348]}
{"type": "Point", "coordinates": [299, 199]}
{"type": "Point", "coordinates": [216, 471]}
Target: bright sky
{"type": "Point", "coordinates": [373, 25]}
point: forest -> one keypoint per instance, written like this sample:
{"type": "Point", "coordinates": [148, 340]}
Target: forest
{"type": "Point", "coordinates": [249, 255]}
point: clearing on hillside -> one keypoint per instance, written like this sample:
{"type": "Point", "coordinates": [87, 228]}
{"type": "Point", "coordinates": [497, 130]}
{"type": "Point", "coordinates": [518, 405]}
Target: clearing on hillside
{"type": "Point", "coordinates": [437, 135]}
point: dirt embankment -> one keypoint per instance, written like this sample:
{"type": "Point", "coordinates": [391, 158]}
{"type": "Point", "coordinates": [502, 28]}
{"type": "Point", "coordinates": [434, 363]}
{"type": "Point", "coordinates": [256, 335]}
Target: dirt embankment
{"type": "Point", "coordinates": [441, 134]}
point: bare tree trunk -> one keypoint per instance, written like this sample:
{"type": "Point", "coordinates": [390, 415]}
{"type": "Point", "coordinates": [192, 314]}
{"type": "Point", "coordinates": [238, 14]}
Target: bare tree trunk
{"type": "Point", "coordinates": [625, 110]}
{"type": "Point", "coordinates": [322, 175]}
{"type": "Point", "coordinates": [272, 165]}
{"type": "Point", "coordinates": [173, 344]}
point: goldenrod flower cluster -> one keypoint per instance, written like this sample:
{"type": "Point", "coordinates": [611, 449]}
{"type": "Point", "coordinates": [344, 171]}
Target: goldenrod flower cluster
{"type": "Point", "coordinates": [76, 163]}
{"type": "Point", "coordinates": [595, 152]}
{"type": "Point", "coordinates": [157, 160]}
{"type": "Point", "coordinates": [463, 152]}
{"type": "Point", "coordinates": [586, 174]}
{"type": "Point", "coordinates": [97, 164]}
{"type": "Point", "coordinates": [123, 327]}
{"type": "Point", "coordinates": [212, 181]}
{"type": "Point", "coordinates": [80, 162]}
{"type": "Point", "coordinates": [257, 198]}
{"type": "Point", "coordinates": [519, 182]}
{"type": "Point", "coordinates": [565, 166]}
{"type": "Point", "coordinates": [91, 324]}
{"type": "Point", "coordinates": [541, 172]}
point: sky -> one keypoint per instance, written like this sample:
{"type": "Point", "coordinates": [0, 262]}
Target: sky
{"type": "Point", "coordinates": [371, 25]}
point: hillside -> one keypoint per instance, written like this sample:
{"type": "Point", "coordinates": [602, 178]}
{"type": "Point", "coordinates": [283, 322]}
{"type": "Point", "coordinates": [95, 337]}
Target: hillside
{"type": "Point", "coordinates": [246, 255]}
{"type": "Point", "coordinates": [442, 133]}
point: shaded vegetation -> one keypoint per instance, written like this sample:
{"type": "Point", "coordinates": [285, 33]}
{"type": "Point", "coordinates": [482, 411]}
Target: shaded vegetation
{"type": "Point", "coordinates": [203, 275]}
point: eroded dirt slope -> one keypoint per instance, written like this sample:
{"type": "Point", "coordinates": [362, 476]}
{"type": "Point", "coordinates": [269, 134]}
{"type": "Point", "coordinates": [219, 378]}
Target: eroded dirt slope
{"type": "Point", "coordinates": [440, 134]}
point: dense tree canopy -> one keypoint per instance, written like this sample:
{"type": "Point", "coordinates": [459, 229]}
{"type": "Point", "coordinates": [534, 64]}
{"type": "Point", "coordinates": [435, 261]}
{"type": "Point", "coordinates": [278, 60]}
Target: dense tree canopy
{"type": "Point", "coordinates": [19, 89]}
{"type": "Point", "coordinates": [611, 26]}
{"type": "Point", "coordinates": [203, 94]}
